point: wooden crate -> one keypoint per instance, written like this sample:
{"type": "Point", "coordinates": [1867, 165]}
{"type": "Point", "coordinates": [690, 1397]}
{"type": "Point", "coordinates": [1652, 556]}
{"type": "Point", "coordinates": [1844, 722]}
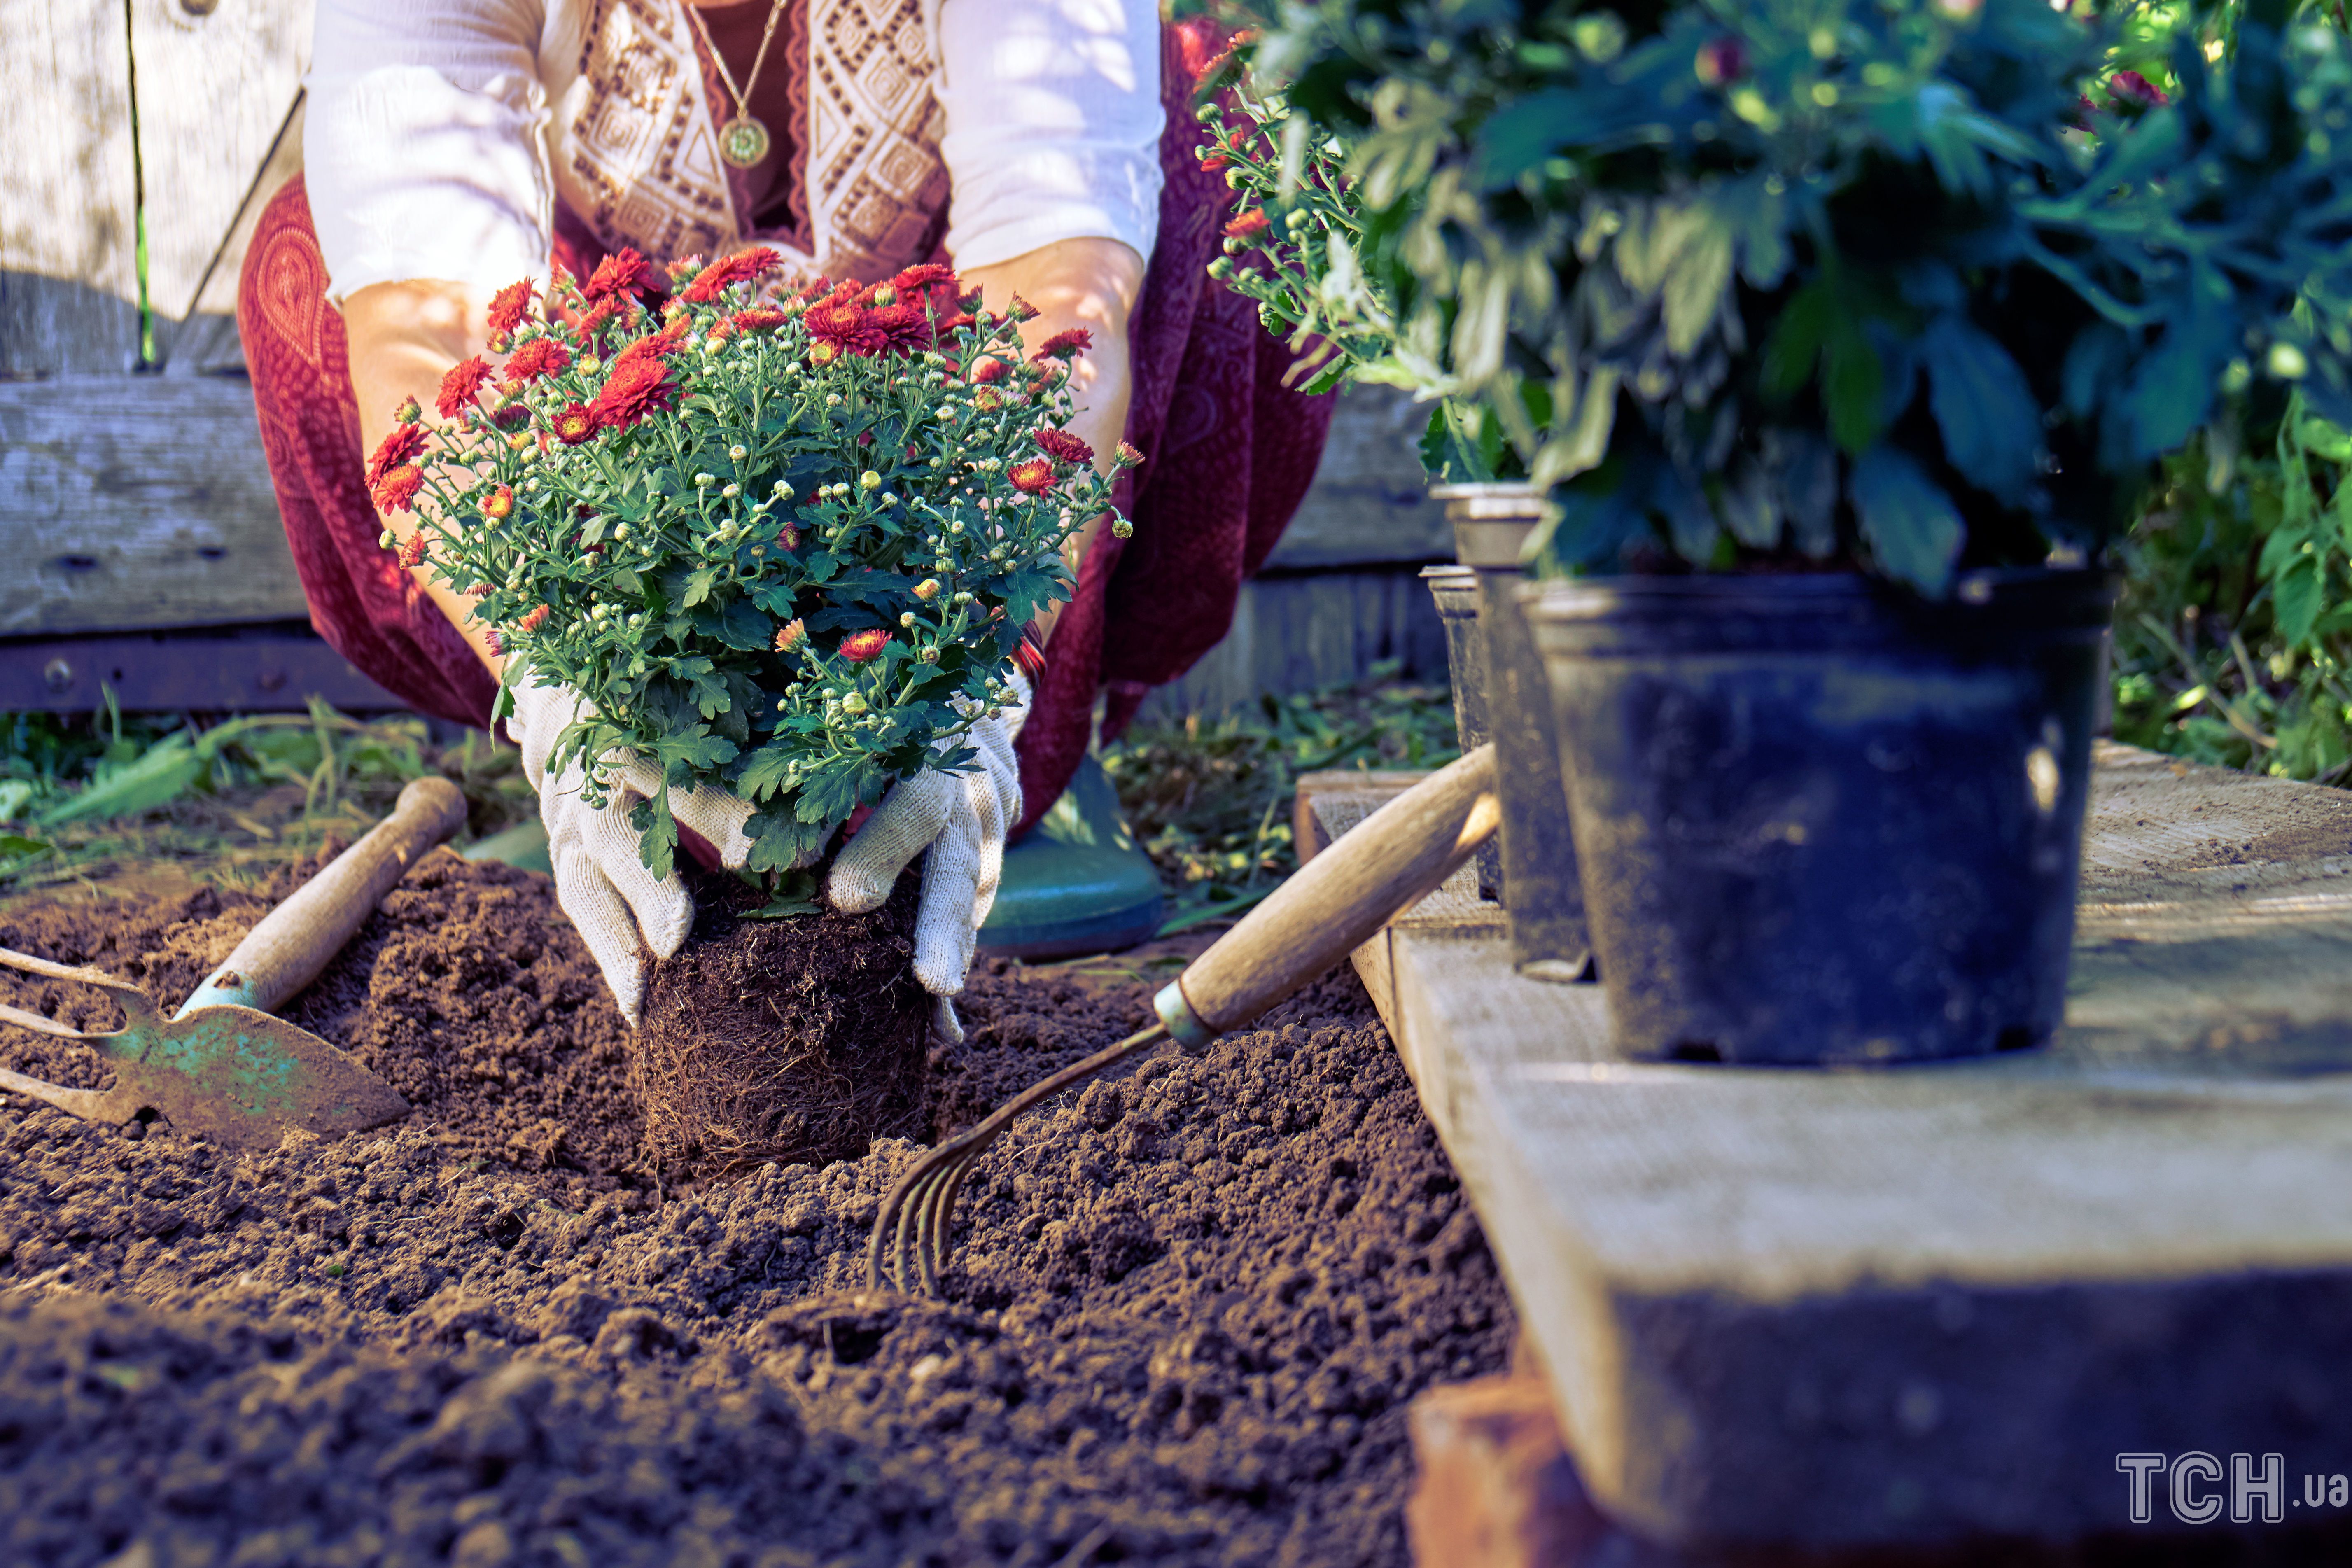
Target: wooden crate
{"type": "Point", "coordinates": [1841, 1308]}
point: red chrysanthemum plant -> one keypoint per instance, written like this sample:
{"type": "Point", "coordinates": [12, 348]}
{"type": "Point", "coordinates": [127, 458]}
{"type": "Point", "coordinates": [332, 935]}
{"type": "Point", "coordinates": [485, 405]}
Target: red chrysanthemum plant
{"type": "Point", "coordinates": [785, 542]}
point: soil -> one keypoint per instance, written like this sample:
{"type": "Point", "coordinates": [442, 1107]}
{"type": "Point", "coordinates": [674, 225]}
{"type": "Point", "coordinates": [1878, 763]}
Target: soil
{"type": "Point", "coordinates": [1187, 1310]}
{"type": "Point", "coordinates": [791, 1040]}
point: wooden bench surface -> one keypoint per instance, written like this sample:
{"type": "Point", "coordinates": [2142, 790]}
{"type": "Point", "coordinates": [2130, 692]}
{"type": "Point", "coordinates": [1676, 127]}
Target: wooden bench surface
{"type": "Point", "coordinates": [1915, 1303]}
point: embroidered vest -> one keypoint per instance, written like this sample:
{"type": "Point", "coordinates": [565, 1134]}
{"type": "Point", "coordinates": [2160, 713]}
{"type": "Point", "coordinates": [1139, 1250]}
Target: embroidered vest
{"type": "Point", "coordinates": [635, 145]}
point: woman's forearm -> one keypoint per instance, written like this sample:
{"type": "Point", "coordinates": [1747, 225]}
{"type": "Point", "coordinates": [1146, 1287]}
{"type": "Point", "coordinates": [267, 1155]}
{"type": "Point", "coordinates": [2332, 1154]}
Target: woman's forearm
{"type": "Point", "coordinates": [403, 339]}
{"type": "Point", "coordinates": [1088, 283]}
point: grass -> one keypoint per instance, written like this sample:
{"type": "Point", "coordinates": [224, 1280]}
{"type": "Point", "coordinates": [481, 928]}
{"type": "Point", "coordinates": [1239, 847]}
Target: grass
{"type": "Point", "coordinates": [84, 798]}
{"type": "Point", "coordinates": [1211, 800]}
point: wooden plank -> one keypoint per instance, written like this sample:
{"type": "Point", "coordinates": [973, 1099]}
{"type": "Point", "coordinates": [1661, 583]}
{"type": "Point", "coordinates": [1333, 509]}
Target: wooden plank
{"type": "Point", "coordinates": [1300, 631]}
{"type": "Point", "coordinates": [68, 230]}
{"type": "Point", "coordinates": [216, 82]}
{"type": "Point", "coordinates": [1835, 1307]}
{"type": "Point", "coordinates": [129, 502]}
{"type": "Point", "coordinates": [251, 670]}
{"type": "Point", "coordinates": [1370, 503]}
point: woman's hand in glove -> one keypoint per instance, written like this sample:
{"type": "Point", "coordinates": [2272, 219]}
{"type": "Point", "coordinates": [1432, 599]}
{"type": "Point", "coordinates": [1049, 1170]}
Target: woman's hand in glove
{"type": "Point", "coordinates": [961, 818]}
{"type": "Point", "coordinates": [604, 886]}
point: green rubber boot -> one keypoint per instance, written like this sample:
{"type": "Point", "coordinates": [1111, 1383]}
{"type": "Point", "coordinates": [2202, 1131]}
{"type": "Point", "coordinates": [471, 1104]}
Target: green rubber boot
{"type": "Point", "coordinates": [1077, 883]}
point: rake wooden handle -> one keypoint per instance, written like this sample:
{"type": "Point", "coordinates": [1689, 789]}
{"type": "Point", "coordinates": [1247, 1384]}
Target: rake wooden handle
{"type": "Point", "coordinates": [299, 938]}
{"type": "Point", "coordinates": [1375, 872]}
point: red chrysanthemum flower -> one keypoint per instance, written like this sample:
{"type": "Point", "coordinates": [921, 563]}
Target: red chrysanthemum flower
{"type": "Point", "coordinates": [654, 347]}
{"type": "Point", "coordinates": [985, 370]}
{"type": "Point", "coordinates": [412, 550]}
{"type": "Point", "coordinates": [1065, 448]}
{"type": "Point", "coordinates": [720, 276]}
{"type": "Point", "coordinates": [396, 491]}
{"type": "Point", "coordinates": [987, 400]}
{"type": "Point", "coordinates": [490, 640]}
{"type": "Point", "coordinates": [1030, 477]}
{"type": "Point", "coordinates": [404, 445]}
{"type": "Point", "coordinates": [1721, 61]}
{"type": "Point", "coordinates": [823, 354]}
{"type": "Point", "coordinates": [2130, 87]}
{"type": "Point", "coordinates": [922, 277]}
{"type": "Point", "coordinates": [1021, 310]}
{"type": "Point", "coordinates": [685, 267]}
{"type": "Point", "coordinates": [465, 379]}
{"type": "Point", "coordinates": [791, 635]}
{"type": "Point", "coordinates": [1130, 455]}
{"type": "Point", "coordinates": [955, 323]}
{"type": "Point", "coordinates": [1215, 158]}
{"type": "Point", "coordinates": [847, 329]}
{"type": "Point", "coordinates": [509, 304]}
{"type": "Point", "coordinates": [499, 505]}
{"type": "Point", "coordinates": [903, 329]}
{"type": "Point", "coordinates": [540, 356]}
{"type": "Point", "coordinates": [575, 424]}
{"type": "Point", "coordinates": [635, 389]}
{"type": "Point", "coordinates": [860, 647]}
{"type": "Point", "coordinates": [1067, 344]}
{"type": "Point", "coordinates": [1249, 225]}
{"type": "Point", "coordinates": [760, 318]}
{"type": "Point", "coordinates": [623, 272]}
{"type": "Point", "coordinates": [537, 618]}
{"type": "Point", "coordinates": [601, 314]}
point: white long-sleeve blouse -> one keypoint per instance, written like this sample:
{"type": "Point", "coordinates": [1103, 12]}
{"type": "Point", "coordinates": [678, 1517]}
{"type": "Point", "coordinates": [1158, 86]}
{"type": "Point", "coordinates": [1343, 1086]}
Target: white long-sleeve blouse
{"type": "Point", "coordinates": [441, 132]}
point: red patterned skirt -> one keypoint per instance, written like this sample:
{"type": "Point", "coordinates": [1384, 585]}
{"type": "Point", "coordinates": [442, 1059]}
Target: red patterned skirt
{"type": "Point", "coordinates": [1229, 453]}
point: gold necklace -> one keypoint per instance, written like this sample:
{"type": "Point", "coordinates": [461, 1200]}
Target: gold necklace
{"type": "Point", "coordinates": [743, 141]}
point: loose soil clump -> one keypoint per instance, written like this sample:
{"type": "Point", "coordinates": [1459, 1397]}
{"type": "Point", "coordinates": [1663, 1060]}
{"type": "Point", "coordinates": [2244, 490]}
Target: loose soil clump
{"type": "Point", "coordinates": [794, 1040]}
{"type": "Point", "coordinates": [1187, 1310]}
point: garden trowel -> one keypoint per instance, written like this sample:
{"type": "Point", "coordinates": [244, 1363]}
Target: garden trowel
{"type": "Point", "coordinates": [222, 1065]}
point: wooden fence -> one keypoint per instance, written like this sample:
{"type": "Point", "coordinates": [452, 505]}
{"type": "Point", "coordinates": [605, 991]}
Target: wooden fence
{"type": "Point", "coordinates": [141, 542]}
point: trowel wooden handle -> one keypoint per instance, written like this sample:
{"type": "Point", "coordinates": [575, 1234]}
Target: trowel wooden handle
{"type": "Point", "coordinates": [299, 938]}
{"type": "Point", "coordinates": [1372, 874]}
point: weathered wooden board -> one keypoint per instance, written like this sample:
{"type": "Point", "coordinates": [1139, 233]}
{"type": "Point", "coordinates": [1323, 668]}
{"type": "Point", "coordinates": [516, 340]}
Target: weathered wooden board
{"type": "Point", "coordinates": [135, 501]}
{"type": "Point", "coordinates": [252, 669]}
{"type": "Point", "coordinates": [69, 203]}
{"type": "Point", "coordinates": [1917, 1304]}
{"type": "Point", "coordinates": [1370, 504]}
{"type": "Point", "coordinates": [1298, 631]}
{"type": "Point", "coordinates": [219, 82]}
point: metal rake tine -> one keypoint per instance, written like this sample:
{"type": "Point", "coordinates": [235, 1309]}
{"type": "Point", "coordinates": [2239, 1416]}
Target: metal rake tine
{"type": "Point", "coordinates": [929, 1189]}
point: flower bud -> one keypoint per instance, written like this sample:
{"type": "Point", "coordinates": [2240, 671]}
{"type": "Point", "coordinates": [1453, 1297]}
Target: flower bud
{"type": "Point", "coordinates": [738, 452]}
{"type": "Point", "coordinates": [907, 619]}
{"type": "Point", "coordinates": [703, 481]}
{"type": "Point", "coordinates": [925, 590]}
{"type": "Point", "coordinates": [731, 492]}
{"type": "Point", "coordinates": [1122, 529]}
{"type": "Point", "coordinates": [794, 634]}
{"type": "Point", "coordinates": [869, 480]}
{"type": "Point", "coordinates": [408, 413]}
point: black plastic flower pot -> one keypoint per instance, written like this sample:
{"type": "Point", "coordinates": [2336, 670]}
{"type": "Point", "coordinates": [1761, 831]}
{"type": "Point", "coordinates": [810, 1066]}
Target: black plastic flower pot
{"type": "Point", "coordinates": [1456, 589]}
{"type": "Point", "coordinates": [1540, 892]}
{"type": "Point", "coordinates": [1821, 820]}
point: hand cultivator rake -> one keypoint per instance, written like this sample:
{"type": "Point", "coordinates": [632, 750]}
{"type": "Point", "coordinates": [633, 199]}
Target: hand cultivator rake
{"type": "Point", "coordinates": [1335, 902]}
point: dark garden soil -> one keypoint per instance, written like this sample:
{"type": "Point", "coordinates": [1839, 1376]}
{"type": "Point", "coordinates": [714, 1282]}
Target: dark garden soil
{"type": "Point", "coordinates": [794, 1040]}
{"type": "Point", "coordinates": [1189, 1309]}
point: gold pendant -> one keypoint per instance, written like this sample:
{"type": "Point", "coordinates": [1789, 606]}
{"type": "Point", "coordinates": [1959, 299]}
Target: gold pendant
{"type": "Point", "coordinates": [743, 141]}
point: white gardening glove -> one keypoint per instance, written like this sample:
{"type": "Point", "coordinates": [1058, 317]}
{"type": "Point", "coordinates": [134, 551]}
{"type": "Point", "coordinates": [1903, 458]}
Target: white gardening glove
{"type": "Point", "coordinates": [604, 889]}
{"type": "Point", "coordinates": [961, 818]}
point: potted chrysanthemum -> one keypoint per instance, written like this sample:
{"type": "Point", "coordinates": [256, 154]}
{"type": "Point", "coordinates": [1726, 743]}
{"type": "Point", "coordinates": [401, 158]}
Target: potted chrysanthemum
{"type": "Point", "coordinates": [1842, 341]}
{"type": "Point", "coordinates": [778, 543]}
